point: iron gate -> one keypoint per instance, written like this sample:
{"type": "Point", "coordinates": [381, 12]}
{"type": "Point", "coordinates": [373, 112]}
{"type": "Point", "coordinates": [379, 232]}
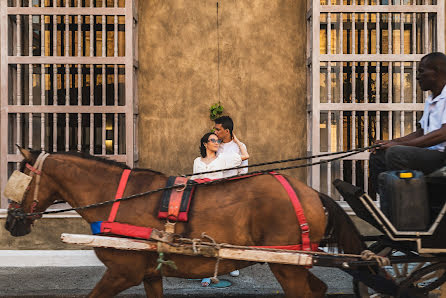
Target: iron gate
{"type": "Point", "coordinates": [68, 79]}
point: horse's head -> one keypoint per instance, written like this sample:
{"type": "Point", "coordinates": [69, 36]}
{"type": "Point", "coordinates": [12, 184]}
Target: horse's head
{"type": "Point", "coordinates": [31, 190]}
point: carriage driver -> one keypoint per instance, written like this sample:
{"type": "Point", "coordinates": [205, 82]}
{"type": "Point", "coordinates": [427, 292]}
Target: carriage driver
{"type": "Point", "coordinates": [422, 150]}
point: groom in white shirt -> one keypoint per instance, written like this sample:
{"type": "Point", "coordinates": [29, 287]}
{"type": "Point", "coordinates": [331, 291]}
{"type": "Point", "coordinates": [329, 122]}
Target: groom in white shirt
{"type": "Point", "coordinates": [223, 129]}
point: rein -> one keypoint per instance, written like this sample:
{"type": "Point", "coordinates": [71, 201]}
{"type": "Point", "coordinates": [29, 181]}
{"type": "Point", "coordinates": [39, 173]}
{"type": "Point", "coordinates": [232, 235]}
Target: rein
{"type": "Point", "coordinates": [357, 150]}
{"type": "Point", "coordinates": [20, 214]}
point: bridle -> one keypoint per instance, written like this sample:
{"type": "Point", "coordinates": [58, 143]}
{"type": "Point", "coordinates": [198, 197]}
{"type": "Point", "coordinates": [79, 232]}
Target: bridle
{"type": "Point", "coordinates": [36, 171]}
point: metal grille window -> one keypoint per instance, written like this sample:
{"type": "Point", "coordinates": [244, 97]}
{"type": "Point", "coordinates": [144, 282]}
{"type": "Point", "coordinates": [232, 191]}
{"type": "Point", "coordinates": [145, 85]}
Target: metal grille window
{"type": "Point", "coordinates": [363, 58]}
{"type": "Point", "coordinates": [67, 78]}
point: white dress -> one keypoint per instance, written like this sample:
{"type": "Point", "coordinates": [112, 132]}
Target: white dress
{"type": "Point", "coordinates": [223, 161]}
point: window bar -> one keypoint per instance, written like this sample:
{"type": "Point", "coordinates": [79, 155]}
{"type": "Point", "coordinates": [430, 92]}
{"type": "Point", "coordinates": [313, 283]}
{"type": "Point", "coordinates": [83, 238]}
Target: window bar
{"type": "Point", "coordinates": [54, 33]}
{"type": "Point", "coordinates": [55, 84]}
{"type": "Point", "coordinates": [402, 34]}
{"type": "Point", "coordinates": [19, 34]}
{"type": "Point", "coordinates": [67, 131]}
{"type": "Point", "coordinates": [91, 33]}
{"type": "Point", "coordinates": [79, 83]}
{"type": "Point", "coordinates": [378, 99]}
{"type": "Point", "coordinates": [366, 50]}
{"type": "Point", "coordinates": [91, 129]}
{"type": "Point", "coordinates": [67, 84]}
{"type": "Point", "coordinates": [426, 32]}
{"type": "Point", "coordinates": [353, 146]}
{"type": "Point", "coordinates": [104, 36]}
{"type": "Point", "coordinates": [366, 81]}
{"type": "Point", "coordinates": [42, 84]}
{"type": "Point", "coordinates": [378, 125]}
{"type": "Point", "coordinates": [19, 131]}
{"type": "Point", "coordinates": [42, 102]}
{"type": "Point", "coordinates": [79, 129]}
{"type": "Point", "coordinates": [104, 124]}
{"type": "Point", "coordinates": [390, 88]}
{"type": "Point", "coordinates": [115, 130]}
{"type": "Point", "coordinates": [104, 82]}
{"type": "Point", "coordinates": [67, 34]}
{"type": "Point", "coordinates": [42, 34]}
{"type": "Point", "coordinates": [378, 33]}
{"type": "Point", "coordinates": [390, 125]}
{"type": "Point", "coordinates": [79, 54]}
{"type": "Point", "coordinates": [353, 33]}
{"type": "Point", "coordinates": [426, 42]}
{"type": "Point", "coordinates": [54, 130]}
{"type": "Point", "coordinates": [30, 132]}
{"type": "Point", "coordinates": [329, 33]}
{"type": "Point", "coordinates": [92, 82]}
{"type": "Point", "coordinates": [414, 33]}
{"type": "Point", "coordinates": [104, 54]}
{"type": "Point", "coordinates": [30, 33]}
{"type": "Point", "coordinates": [42, 131]}
{"type": "Point", "coordinates": [19, 84]}
{"type": "Point", "coordinates": [115, 53]}
{"type": "Point", "coordinates": [329, 82]}
{"type": "Point", "coordinates": [414, 94]}
{"type": "Point", "coordinates": [366, 143]}
{"type": "Point", "coordinates": [353, 63]}
{"type": "Point", "coordinates": [329, 149]}
{"type": "Point", "coordinates": [341, 142]}
{"type": "Point", "coordinates": [390, 33]}
{"type": "Point", "coordinates": [341, 34]}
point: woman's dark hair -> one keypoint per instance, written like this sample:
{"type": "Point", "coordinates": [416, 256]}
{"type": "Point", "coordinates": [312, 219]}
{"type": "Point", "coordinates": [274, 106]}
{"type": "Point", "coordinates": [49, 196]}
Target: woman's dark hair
{"type": "Point", "coordinates": [203, 141]}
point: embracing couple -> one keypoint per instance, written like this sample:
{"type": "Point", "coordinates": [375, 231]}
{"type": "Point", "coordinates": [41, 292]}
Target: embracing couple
{"type": "Point", "coordinates": [220, 150]}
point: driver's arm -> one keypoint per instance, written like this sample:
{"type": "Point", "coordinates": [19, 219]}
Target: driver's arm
{"type": "Point", "coordinates": [433, 138]}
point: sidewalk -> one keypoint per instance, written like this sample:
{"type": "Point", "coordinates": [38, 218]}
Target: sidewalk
{"type": "Point", "coordinates": [74, 274]}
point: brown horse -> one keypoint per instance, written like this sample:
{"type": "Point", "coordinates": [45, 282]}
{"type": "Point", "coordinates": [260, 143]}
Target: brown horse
{"type": "Point", "coordinates": [252, 212]}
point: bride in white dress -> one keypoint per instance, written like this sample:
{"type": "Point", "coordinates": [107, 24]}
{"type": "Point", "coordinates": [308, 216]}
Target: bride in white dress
{"type": "Point", "coordinates": [210, 161]}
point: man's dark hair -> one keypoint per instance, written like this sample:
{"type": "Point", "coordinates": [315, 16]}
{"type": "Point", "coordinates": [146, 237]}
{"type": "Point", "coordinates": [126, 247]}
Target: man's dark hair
{"type": "Point", "coordinates": [226, 122]}
{"type": "Point", "coordinates": [437, 61]}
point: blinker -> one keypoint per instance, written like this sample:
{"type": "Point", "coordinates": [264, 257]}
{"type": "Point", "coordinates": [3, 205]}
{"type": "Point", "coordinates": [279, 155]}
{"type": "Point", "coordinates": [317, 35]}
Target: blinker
{"type": "Point", "coordinates": [16, 186]}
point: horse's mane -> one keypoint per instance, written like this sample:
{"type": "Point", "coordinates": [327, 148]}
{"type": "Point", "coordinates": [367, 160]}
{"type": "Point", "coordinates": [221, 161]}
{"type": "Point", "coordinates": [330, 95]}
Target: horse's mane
{"type": "Point", "coordinates": [88, 156]}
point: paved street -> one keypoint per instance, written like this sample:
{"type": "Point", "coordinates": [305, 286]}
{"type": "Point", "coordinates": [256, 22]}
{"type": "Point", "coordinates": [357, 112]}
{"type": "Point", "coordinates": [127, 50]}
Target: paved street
{"type": "Point", "coordinates": [58, 280]}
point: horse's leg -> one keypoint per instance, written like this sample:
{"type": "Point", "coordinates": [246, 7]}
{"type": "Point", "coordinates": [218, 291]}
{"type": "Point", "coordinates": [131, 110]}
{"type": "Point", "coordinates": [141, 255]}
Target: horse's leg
{"type": "Point", "coordinates": [297, 281]}
{"type": "Point", "coordinates": [113, 283]}
{"type": "Point", "coordinates": [153, 286]}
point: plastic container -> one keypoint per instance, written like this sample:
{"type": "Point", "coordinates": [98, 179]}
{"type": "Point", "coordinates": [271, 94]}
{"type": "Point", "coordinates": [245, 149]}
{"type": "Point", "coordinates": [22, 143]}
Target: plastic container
{"type": "Point", "coordinates": [404, 199]}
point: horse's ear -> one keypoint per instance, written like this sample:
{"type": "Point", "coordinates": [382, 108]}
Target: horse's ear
{"type": "Point", "coordinates": [26, 153]}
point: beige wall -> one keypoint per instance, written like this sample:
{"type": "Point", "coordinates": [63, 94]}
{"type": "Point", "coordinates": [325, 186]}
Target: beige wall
{"type": "Point", "coordinates": [45, 234]}
{"type": "Point", "coordinates": [262, 71]}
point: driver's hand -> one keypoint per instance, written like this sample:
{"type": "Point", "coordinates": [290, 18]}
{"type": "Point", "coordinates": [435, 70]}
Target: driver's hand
{"type": "Point", "coordinates": [379, 142]}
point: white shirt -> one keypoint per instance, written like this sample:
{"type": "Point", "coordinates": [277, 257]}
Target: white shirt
{"type": "Point", "coordinates": [232, 147]}
{"type": "Point", "coordinates": [434, 116]}
{"type": "Point", "coordinates": [223, 161]}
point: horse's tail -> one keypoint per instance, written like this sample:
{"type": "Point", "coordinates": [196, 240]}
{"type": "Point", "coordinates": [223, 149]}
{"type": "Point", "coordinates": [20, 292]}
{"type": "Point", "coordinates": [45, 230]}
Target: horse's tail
{"type": "Point", "coordinates": [341, 231]}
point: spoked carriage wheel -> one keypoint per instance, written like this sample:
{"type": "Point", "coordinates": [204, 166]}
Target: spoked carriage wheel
{"type": "Point", "coordinates": [421, 277]}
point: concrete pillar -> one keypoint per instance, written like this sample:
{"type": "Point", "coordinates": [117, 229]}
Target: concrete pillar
{"type": "Point", "coordinates": [262, 78]}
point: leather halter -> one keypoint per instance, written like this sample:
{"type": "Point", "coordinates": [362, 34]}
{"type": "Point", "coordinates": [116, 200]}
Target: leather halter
{"type": "Point", "coordinates": [36, 170]}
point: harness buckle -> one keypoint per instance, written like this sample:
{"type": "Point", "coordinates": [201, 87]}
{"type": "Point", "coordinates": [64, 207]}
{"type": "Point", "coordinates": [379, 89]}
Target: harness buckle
{"type": "Point", "coordinates": [305, 229]}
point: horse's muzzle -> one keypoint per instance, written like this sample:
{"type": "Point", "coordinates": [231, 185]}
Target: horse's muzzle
{"type": "Point", "coordinates": [17, 224]}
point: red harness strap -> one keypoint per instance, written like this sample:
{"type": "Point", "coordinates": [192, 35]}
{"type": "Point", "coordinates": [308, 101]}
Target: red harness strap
{"type": "Point", "coordinates": [305, 230]}
{"type": "Point", "coordinates": [175, 199]}
{"type": "Point", "coordinates": [119, 194]}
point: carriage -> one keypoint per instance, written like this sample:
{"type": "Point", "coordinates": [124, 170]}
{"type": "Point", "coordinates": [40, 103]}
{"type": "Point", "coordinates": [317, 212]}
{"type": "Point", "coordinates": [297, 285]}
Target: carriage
{"type": "Point", "coordinates": [417, 256]}
{"type": "Point", "coordinates": [401, 263]}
